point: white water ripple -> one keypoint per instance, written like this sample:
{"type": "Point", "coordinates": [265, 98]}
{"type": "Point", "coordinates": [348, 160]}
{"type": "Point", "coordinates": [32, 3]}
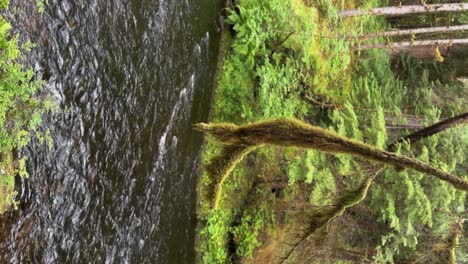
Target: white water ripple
{"type": "Point", "coordinates": [182, 107]}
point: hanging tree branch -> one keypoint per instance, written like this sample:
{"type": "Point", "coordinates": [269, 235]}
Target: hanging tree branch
{"type": "Point", "coordinates": [461, 119]}
{"type": "Point", "coordinates": [292, 132]}
{"type": "Point", "coordinates": [323, 217]}
{"type": "Point", "coordinates": [445, 250]}
{"type": "Point", "coordinates": [405, 10]}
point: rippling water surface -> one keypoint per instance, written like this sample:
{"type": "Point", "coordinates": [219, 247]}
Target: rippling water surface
{"type": "Point", "coordinates": [118, 185]}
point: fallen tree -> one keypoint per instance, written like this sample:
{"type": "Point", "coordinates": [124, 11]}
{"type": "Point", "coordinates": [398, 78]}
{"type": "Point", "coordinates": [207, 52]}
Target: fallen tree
{"type": "Point", "coordinates": [403, 32]}
{"type": "Point", "coordinates": [405, 10]}
{"type": "Point", "coordinates": [406, 45]}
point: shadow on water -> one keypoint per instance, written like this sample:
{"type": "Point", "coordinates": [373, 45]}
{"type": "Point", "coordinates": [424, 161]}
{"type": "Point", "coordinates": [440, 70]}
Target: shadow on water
{"type": "Point", "coordinates": [118, 185]}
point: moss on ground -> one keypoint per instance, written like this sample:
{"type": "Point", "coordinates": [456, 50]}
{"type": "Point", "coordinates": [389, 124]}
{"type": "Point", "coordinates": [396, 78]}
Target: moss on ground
{"type": "Point", "coordinates": [7, 181]}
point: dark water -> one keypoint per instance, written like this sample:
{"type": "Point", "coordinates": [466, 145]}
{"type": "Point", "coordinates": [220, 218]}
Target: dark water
{"type": "Point", "coordinates": [118, 185]}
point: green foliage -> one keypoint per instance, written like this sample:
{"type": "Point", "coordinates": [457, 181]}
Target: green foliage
{"type": "Point", "coordinates": [312, 167]}
{"type": "Point", "coordinates": [246, 234]}
{"type": "Point", "coordinates": [280, 77]}
{"type": "Point", "coordinates": [282, 51]}
{"type": "Point", "coordinates": [4, 4]}
{"type": "Point", "coordinates": [214, 237]}
{"type": "Point", "coordinates": [40, 5]}
{"type": "Point", "coordinates": [20, 111]}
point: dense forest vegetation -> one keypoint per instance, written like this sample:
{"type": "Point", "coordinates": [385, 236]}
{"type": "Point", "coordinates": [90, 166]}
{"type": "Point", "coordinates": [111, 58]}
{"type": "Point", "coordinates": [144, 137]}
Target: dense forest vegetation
{"type": "Point", "coordinates": [311, 191]}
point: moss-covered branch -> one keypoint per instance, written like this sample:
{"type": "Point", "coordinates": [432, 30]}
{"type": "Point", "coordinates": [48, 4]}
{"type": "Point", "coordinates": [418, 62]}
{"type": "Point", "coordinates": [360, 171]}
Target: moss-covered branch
{"type": "Point", "coordinates": [444, 251]}
{"type": "Point", "coordinates": [220, 167]}
{"type": "Point", "coordinates": [325, 215]}
{"type": "Point", "coordinates": [453, 240]}
{"type": "Point", "coordinates": [292, 132]}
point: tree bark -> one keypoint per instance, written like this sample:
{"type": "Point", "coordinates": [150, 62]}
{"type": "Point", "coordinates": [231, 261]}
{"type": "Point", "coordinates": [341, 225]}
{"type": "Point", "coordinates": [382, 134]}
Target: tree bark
{"type": "Point", "coordinates": [445, 251]}
{"type": "Point", "coordinates": [405, 10]}
{"type": "Point", "coordinates": [415, 31]}
{"type": "Point", "coordinates": [295, 133]}
{"type": "Point", "coordinates": [406, 45]}
{"type": "Point", "coordinates": [412, 123]}
{"type": "Point", "coordinates": [432, 130]}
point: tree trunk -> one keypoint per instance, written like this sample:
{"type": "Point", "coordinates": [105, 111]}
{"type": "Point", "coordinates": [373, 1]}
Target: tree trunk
{"type": "Point", "coordinates": [321, 218]}
{"type": "Point", "coordinates": [445, 252]}
{"type": "Point", "coordinates": [427, 52]}
{"type": "Point", "coordinates": [432, 130]}
{"type": "Point", "coordinates": [405, 10]}
{"type": "Point", "coordinates": [295, 133]}
{"type": "Point", "coordinates": [406, 45]}
{"type": "Point", "coordinates": [415, 31]}
{"type": "Point", "coordinates": [412, 123]}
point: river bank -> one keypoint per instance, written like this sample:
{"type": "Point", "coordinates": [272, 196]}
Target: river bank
{"type": "Point", "coordinates": [118, 183]}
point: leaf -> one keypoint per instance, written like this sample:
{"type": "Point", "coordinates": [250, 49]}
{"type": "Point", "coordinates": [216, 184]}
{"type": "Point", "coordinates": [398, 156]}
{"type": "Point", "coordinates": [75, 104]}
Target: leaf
{"type": "Point", "coordinates": [437, 55]}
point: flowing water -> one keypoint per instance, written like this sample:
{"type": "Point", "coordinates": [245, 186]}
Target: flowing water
{"type": "Point", "coordinates": [118, 184]}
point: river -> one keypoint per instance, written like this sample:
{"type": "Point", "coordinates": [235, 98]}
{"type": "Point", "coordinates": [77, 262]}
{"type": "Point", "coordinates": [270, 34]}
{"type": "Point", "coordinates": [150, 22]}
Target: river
{"type": "Point", "coordinates": [118, 184]}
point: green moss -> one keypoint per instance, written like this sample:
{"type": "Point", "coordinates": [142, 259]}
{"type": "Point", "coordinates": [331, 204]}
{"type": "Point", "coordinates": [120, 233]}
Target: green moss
{"type": "Point", "coordinates": [311, 224]}
{"type": "Point", "coordinates": [7, 181]}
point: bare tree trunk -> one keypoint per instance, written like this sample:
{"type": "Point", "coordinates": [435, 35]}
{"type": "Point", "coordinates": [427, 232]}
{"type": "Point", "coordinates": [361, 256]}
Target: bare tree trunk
{"type": "Point", "coordinates": [421, 52]}
{"type": "Point", "coordinates": [432, 130]}
{"type": "Point", "coordinates": [427, 52]}
{"type": "Point", "coordinates": [412, 123]}
{"type": "Point", "coordinates": [406, 45]}
{"type": "Point", "coordinates": [405, 10]}
{"type": "Point", "coordinates": [415, 31]}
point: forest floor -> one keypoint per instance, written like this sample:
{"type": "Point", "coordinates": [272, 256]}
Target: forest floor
{"type": "Point", "coordinates": [295, 58]}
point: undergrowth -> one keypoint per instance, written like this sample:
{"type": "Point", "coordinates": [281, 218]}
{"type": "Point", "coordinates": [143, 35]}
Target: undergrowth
{"type": "Point", "coordinates": [289, 59]}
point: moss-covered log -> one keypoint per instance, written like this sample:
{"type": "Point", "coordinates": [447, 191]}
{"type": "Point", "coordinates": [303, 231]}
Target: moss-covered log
{"type": "Point", "coordinates": [220, 167]}
{"type": "Point", "coordinates": [292, 132]}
